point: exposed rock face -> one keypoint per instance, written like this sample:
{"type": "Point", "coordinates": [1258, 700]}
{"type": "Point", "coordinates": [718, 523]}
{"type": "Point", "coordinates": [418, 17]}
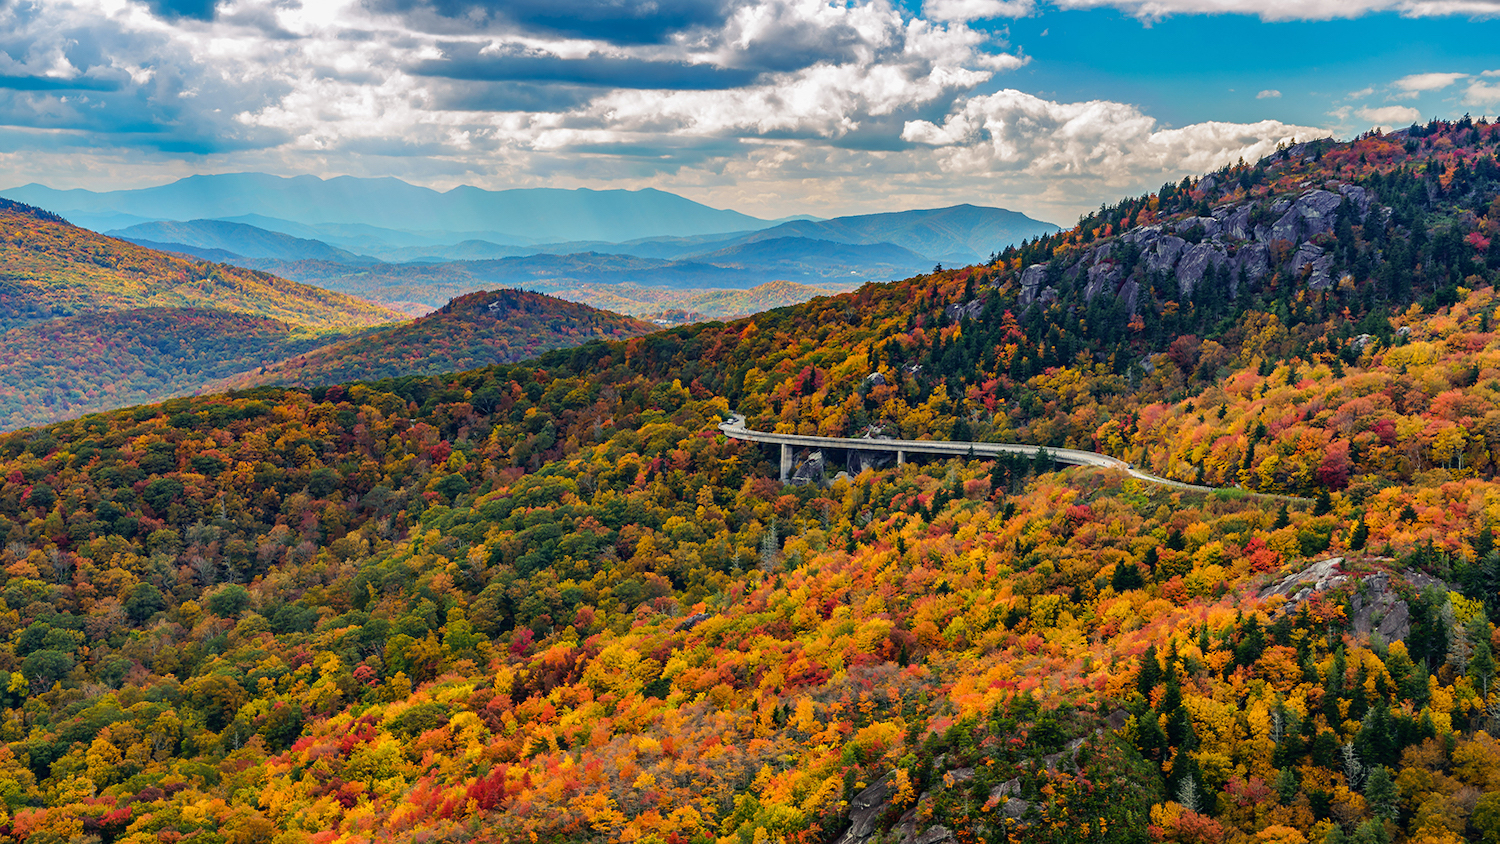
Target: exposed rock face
{"type": "Point", "coordinates": [1163, 254]}
{"type": "Point", "coordinates": [809, 471]}
{"type": "Point", "coordinates": [865, 810]}
{"type": "Point", "coordinates": [1196, 261]}
{"type": "Point", "coordinates": [1194, 249]}
{"type": "Point", "coordinates": [1311, 255]}
{"type": "Point", "coordinates": [1375, 607]}
{"type": "Point", "coordinates": [1312, 214]}
{"type": "Point", "coordinates": [1032, 280]}
{"type": "Point", "coordinates": [1103, 276]}
{"type": "Point", "coordinates": [1234, 222]}
{"type": "Point", "coordinates": [1209, 224]}
{"type": "Point", "coordinates": [964, 310]}
{"type": "Point", "coordinates": [1254, 261]}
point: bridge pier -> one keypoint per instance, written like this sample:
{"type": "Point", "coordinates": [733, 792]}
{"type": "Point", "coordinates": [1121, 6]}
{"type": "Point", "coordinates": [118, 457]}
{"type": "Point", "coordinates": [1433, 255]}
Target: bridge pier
{"type": "Point", "coordinates": [900, 457]}
{"type": "Point", "coordinates": [786, 462]}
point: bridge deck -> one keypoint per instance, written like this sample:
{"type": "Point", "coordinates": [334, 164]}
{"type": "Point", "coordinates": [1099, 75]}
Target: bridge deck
{"type": "Point", "coordinates": [734, 428]}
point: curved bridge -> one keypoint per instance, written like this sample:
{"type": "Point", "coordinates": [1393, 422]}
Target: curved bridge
{"type": "Point", "coordinates": [734, 428]}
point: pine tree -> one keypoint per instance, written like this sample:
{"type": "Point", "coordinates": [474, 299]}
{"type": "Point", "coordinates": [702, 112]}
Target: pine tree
{"type": "Point", "coordinates": [1380, 793]}
{"type": "Point", "coordinates": [1360, 535]}
{"type": "Point", "coordinates": [1286, 785]}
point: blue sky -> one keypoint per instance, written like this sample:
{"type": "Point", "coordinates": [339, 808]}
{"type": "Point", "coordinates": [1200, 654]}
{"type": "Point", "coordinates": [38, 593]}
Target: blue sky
{"type": "Point", "coordinates": [1188, 68]}
{"type": "Point", "coordinates": [772, 107]}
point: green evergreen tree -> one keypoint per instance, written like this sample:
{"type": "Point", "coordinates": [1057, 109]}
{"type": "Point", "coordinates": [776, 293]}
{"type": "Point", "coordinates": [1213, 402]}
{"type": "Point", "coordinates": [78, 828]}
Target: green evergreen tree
{"type": "Point", "coordinates": [1380, 794]}
{"type": "Point", "coordinates": [1287, 786]}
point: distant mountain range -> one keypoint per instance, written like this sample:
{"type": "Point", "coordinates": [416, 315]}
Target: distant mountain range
{"type": "Point", "coordinates": [425, 267]}
{"type": "Point", "coordinates": [222, 240]}
{"type": "Point", "coordinates": [524, 215]}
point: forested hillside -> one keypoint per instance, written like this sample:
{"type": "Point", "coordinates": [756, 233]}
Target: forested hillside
{"type": "Point", "coordinates": [49, 268]}
{"type": "Point", "coordinates": [64, 368]}
{"type": "Point", "coordinates": [549, 601]}
{"type": "Point", "coordinates": [93, 323]}
{"type": "Point", "coordinates": [479, 329]}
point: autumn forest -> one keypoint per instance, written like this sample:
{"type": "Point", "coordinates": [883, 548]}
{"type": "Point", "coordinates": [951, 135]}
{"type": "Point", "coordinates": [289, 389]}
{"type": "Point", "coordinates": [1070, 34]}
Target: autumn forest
{"type": "Point", "coordinates": [363, 597]}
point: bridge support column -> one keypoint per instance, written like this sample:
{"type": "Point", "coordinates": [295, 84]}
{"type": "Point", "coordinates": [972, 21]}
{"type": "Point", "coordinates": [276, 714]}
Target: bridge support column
{"type": "Point", "coordinates": [900, 457]}
{"type": "Point", "coordinates": [786, 462]}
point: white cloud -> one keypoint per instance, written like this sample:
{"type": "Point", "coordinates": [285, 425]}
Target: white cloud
{"type": "Point", "coordinates": [1268, 94]}
{"type": "Point", "coordinates": [1282, 10]}
{"type": "Point", "coordinates": [1423, 82]}
{"type": "Point", "coordinates": [1482, 95]}
{"type": "Point", "coordinates": [1394, 115]}
{"type": "Point", "coordinates": [968, 10]}
{"type": "Point", "coordinates": [1113, 143]}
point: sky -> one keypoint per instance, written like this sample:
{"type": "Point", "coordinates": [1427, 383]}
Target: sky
{"type": "Point", "coordinates": [769, 107]}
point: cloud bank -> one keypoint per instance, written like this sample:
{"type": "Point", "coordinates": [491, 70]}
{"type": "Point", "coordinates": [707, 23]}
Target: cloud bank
{"type": "Point", "coordinates": [772, 106]}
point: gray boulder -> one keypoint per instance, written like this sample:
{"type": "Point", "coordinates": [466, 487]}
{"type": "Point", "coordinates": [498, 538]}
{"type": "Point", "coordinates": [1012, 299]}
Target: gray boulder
{"type": "Point", "coordinates": [1312, 214]}
{"type": "Point", "coordinates": [1142, 236]}
{"type": "Point", "coordinates": [1103, 277]}
{"type": "Point", "coordinates": [1311, 256]}
{"type": "Point", "coordinates": [1254, 261]}
{"type": "Point", "coordinates": [1130, 295]}
{"type": "Point", "coordinates": [1235, 222]}
{"type": "Point", "coordinates": [1209, 224]}
{"type": "Point", "coordinates": [1196, 261]}
{"type": "Point", "coordinates": [1032, 280]}
{"type": "Point", "coordinates": [865, 810]}
{"type": "Point", "coordinates": [1163, 254]}
{"type": "Point", "coordinates": [1360, 197]}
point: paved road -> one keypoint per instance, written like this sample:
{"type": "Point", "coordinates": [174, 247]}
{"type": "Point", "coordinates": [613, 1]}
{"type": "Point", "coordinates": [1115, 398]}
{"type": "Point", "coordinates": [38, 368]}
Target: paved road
{"type": "Point", "coordinates": [734, 428]}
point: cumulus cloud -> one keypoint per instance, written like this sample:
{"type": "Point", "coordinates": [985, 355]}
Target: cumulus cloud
{"type": "Point", "coordinates": [1424, 82]}
{"type": "Point", "coordinates": [1108, 141]}
{"type": "Point", "coordinates": [1268, 94]}
{"type": "Point", "coordinates": [1284, 10]}
{"type": "Point", "coordinates": [968, 10]}
{"type": "Point", "coordinates": [773, 106]}
{"type": "Point", "coordinates": [1393, 115]}
{"type": "Point", "coordinates": [1481, 94]}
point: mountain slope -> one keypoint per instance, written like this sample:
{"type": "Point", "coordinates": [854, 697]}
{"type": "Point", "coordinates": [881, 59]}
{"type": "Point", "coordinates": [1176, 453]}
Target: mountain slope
{"type": "Point", "coordinates": [550, 599]}
{"type": "Point", "coordinates": [50, 268]}
{"type": "Point", "coordinates": [536, 213]}
{"type": "Point", "coordinates": [475, 330]}
{"type": "Point", "coordinates": [238, 238]}
{"type": "Point", "coordinates": [67, 367]}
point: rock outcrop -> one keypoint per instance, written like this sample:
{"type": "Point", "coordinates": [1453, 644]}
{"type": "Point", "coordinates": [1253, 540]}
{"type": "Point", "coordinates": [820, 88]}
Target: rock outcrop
{"type": "Point", "coordinates": [1376, 605]}
{"type": "Point", "coordinates": [1236, 238]}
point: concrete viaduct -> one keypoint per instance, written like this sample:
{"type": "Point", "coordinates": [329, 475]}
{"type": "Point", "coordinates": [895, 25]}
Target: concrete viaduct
{"type": "Point", "coordinates": [734, 428]}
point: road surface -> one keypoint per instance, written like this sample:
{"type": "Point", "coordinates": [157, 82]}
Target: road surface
{"type": "Point", "coordinates": [734, 428]}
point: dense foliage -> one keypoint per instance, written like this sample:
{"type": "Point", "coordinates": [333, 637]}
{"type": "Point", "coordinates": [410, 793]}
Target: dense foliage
{"type": "Point", "coordinates": [549, 601]}
{"type": "Point", "coordinates": [49, 268]}
{"type": "Point", "coordinates": [479, 329]}
{"type": "Point", "coordinates": [66, 367]}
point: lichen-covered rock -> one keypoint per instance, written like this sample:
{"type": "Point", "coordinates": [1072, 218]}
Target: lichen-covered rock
{"type": "Point", "coordinates": [1103, 277]}
{"type": "Point", "coordinates": [1235, 221]}
{"type": "Point", "coordinates": [1032, 280]}
{"type": "Point", "coordinates": [1253, 261]}
{"type": "Point", "coordinates": [1310, 259]}
{"type": "Point", "coordinates": [1360, 198]}
{"type": "Point", "coordinates": [1209, 224]}
{"type": "Point", "coordinates": [1196, 261]}
{"type": "Point", "coordinates": [865, 810]}
{"type": "Point", "coordinates": [964, 310]}
{"type": "Point", "coordinates": [1312, 214]}
{"type": "Point", "coordinates": [1163, 254]}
